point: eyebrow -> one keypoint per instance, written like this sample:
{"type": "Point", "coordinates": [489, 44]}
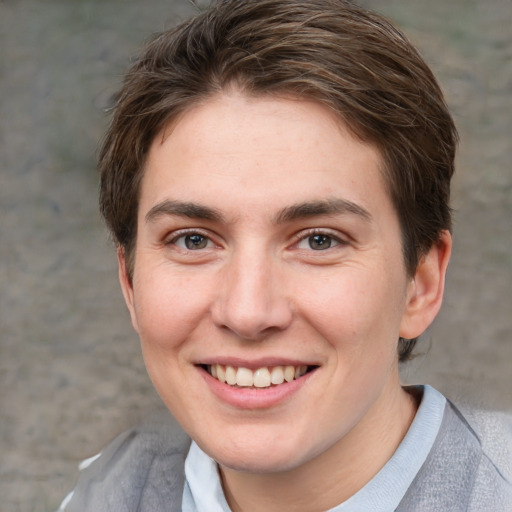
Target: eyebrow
{"type": "Point", "coordinates": [332, 206]}
{"type": "Point", "coordinates": [184, 209]}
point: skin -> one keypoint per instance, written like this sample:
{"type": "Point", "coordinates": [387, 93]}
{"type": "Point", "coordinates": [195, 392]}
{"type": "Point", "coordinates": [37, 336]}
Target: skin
{"type": "Point", "coordinates": [255, 291]}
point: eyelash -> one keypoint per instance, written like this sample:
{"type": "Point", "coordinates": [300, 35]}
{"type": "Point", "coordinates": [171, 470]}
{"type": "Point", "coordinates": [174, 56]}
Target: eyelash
{"type": "Point", "coordinates": [300, 237]}
{"type": "Point", "coordinates": [304, 236]}
{"type": "Point", "coordinates": [183, 234]}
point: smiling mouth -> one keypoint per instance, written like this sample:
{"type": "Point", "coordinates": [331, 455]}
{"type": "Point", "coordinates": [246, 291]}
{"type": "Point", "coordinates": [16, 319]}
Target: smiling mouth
{"type": "Point", "coordinates": [260, 378]}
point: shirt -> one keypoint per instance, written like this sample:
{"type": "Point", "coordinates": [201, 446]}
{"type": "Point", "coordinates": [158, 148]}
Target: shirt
{"type": "Point", "coordinates": [203, 489]}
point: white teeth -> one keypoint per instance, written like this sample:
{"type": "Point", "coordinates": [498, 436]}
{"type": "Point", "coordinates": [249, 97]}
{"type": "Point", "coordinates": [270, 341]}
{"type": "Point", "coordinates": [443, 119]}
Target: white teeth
{"type": "Point", "coordinates": [244, 377]}
{"type": "Point", "coordinates": [230, 375]}
{"type": "Point", "coordinates": [277, 375]}
{"type": "Point", "coordinates": [300, 371]}
{"type": "Point", "coordinates": [221, 372]}
{"type": "Point", "coordinates": [289, 373]}
{"type": "Point", "coordinates": [260, 378]}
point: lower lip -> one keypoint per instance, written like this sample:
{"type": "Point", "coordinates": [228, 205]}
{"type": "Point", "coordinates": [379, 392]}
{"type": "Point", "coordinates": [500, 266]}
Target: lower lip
{"type": "Point", "coordinates": [251, 398]}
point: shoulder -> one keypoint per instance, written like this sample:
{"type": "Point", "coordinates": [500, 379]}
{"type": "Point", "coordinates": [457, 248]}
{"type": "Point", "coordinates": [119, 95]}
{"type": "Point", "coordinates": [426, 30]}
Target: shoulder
{"type": "Point", "coordinates": [494, 432]}
{"type": "Point", "coordinates": [469, 466]}
{"type": "Point", "coordinates": [141, 470]}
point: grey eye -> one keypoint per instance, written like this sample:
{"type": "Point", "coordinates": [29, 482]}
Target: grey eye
{"type": "Point", "coordinates": [320, 242]}
{"type": "Point", "coordinates": [193, 242]}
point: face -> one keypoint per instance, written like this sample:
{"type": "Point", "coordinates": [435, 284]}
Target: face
{"type": "Point", "coordinates": [268, 254]}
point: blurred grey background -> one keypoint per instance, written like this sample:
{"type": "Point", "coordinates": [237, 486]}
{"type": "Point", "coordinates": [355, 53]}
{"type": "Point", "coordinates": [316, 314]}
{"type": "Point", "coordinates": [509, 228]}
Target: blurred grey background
{"type": "Point", "coordinates": [71, 376]}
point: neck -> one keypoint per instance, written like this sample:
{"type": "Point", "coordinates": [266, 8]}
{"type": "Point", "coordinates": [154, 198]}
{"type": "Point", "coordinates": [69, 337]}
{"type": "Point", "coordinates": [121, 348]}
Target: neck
{"type": "Point", "coordinates": [335, 475]}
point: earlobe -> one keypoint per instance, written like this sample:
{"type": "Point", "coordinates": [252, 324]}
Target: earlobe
{"type": "Point", "coordinates": [426, 289]}
{"type": "Point", "coordinates": [126, 286]}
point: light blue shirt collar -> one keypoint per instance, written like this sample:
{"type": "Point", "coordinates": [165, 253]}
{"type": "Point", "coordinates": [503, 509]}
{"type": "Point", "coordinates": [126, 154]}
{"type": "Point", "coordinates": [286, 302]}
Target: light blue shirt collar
{"type": "Point", "coordinates": [383, 493]}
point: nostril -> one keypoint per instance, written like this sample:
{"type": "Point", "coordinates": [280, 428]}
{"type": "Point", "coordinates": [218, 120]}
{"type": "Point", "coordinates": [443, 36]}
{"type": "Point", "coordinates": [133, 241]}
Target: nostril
{"type": "Point", "coordinates": [248, 302]}
{"type": "Point", "coordinates": [251, 329]}
{"type": "Point", "coordinates": [251, 336]}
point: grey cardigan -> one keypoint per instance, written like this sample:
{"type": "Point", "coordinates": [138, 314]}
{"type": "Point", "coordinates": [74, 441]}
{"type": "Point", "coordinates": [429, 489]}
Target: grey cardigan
{"type": "Point", "coordinates": [142, 470]}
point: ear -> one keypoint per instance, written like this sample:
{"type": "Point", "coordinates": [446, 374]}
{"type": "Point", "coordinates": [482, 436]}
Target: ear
{"type": "Point", "coordinates": [127, 287]}
{"type": "Point", "coordinates": [426, 289]}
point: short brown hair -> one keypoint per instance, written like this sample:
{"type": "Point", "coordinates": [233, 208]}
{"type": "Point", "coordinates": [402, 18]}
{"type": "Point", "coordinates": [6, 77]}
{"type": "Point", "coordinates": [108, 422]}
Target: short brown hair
{"type": "Point", "coordinates": [345, 57]}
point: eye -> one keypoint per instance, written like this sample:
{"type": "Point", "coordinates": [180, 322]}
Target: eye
{"type": "Point", "coordinates": [192, 241]}
{"type": "Point", "coordinates": [318, 242]}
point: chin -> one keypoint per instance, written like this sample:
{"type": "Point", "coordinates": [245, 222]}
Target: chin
{"type": "Point", "coordinates": [258, 465]}
{"type": "Point", "coordinates": [258, 457]}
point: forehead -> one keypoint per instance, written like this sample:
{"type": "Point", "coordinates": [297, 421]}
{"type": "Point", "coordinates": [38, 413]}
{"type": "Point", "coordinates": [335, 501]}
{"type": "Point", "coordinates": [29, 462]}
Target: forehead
{"type": "Point", "coordinates": [261, 149]}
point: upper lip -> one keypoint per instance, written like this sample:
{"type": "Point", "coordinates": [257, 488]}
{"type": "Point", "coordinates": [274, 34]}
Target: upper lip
{"type": "Point", "coordinates": [254, 364]}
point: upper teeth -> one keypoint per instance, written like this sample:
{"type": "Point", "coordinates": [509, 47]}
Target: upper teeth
{"type": "Point", "coordinates": [260, 378]}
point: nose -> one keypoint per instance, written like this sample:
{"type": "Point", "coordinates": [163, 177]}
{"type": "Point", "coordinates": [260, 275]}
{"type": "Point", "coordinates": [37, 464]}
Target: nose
{"type": "Point", "coordinates": [251, 301]}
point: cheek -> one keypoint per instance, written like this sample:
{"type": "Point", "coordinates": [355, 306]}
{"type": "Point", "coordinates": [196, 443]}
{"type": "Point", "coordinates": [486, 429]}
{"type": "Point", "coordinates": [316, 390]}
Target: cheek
{"type": "Point", "coordinates": [355, 308]}
{"type": "Point", "coordinates": [168, 309]}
